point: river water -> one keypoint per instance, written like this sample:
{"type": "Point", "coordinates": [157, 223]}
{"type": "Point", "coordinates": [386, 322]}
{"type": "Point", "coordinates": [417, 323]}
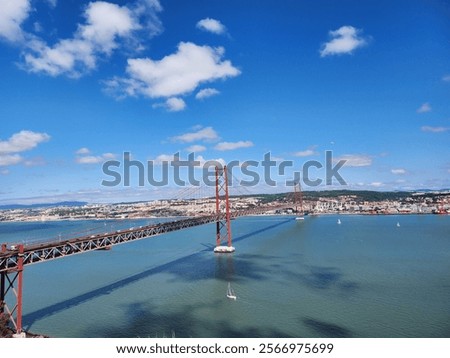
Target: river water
{"type": "Point", "coordinates": [365, 277]}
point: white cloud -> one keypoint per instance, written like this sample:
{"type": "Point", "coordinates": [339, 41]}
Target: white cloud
{"type": "Point", "coordinates": [203, 161]}
{"type": "Point", "coordinates": [175, 104]}
{"type": "Point", "coordinates": [211, 25]}
{"type": "Point", "coordinates": [84, 157]}
{"type": "Point", "coordinates": [19, 142]}
{"type": "Point", "coordinates": [176, 74]}
{"type": "Point", "coordinates": [446, 78]}
{"type": "Point", "coordinates": [305, 153]}
{"type": "Point", "coordinates": [424, 108]}
{"type": "Point", "coordinates": [376, 184]}
{"type": "Point", "coordinates": [10, 159]}
{"type": "Point", "coordinates": [196, 148]}
{"type": "Point", "coordinates": [163, 158]}
{"type": "Point", "coordinates": [12, 14]}
{"type": "Point", "coordinates": [71, 57]}
{"type": "Point", "coordinates": [399, 171]}
{"type": "Point", "coordinates": [434, 129]}
{"type": "Point", "coordinates": [277, 159]}
{"type": "Point", "coordinates": [172, 160]}
{"type": "Point", "coordinates": [207, 133]}
{"type": "Point", "coordinates": [33, 162]}
{"type": "Point", "coordinates": [354, 160]}
{"type": "Point", "coordinates": [105, 23]}
{"type": "Point", "coordinates": [109, 156]}
{"type": "Point", "coordinates": [52, 3]}
{"type": "Point", "coordinates": [172, 104]}
{"type": "Point", "coordinates": [22, 141]}
{"type": "Point", "coordinates": [343, 40]}
{"type": "Point", "coordinates": [89, 159]}
{"type": "Point", "coordinates": [4, 171]}
{"type": "Point", "coordinates": [206, 92]}
{"type": "Point", "coordinates": [38, 27]}
{"type": "Point", "coordinates": [83, 151]}
{"type": "Point", "coordinates": [233, 145]}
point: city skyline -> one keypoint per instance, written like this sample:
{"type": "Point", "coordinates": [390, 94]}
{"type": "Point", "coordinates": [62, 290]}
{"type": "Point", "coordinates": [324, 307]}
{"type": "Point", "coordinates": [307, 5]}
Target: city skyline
{"type": "Point", "coordinates": [84, 82]}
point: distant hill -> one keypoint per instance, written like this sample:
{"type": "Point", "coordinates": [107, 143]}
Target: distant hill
{"type": "Point", "coordinates": [42, 205]}
{"type": "Point", "coordinates": [360, 195]}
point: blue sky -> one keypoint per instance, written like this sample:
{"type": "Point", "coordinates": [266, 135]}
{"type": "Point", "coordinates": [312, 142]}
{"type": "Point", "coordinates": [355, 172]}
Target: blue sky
{"type": "Point", "coordinates": [83, 82]}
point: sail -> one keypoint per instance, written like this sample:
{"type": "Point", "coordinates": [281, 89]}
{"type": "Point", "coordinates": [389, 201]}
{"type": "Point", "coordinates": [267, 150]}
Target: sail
{"type": "Point", "coordinates": [230, 292]}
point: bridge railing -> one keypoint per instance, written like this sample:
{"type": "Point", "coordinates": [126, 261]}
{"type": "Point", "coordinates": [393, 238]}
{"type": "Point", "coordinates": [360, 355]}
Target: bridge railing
{"type": "Point", "coordinates": [50, 250]}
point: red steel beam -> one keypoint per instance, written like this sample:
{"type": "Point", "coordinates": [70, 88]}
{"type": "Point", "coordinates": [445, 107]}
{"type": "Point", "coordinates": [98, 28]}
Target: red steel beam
{"type": "Point", "coordinates": [217, 208]}
{"type": "Point", "coordinates": [19, 290]}
{"type": "Point", "coordinates": [227, 205]}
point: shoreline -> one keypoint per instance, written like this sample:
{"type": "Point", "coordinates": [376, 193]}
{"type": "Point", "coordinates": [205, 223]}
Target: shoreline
{"type": "Point", "coordinates": [186, 216]}
{"type": "Point", "coordinates": [92, 219]}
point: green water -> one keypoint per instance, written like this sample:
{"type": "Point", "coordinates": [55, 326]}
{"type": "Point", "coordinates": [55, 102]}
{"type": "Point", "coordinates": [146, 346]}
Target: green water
{"type": "Point", "coordinates": [363, 278]}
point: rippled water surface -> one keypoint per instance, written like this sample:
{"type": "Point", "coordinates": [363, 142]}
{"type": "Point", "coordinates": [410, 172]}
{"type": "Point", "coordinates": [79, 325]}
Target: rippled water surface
{"type": "Point", "coordinates": [363, 278]}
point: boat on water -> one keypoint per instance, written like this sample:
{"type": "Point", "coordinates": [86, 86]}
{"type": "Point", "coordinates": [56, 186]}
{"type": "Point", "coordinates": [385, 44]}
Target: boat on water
{"type": "Point", "coordinates": [339, 221]}
{"type": "Point", "coordinates": [230, 292]}
{"type": "Point", "coordinates": [300, 217]}
{"type": "Point", "coordinates": [398, 224]}
{"type": "Point", "coordinates": [224, 249]}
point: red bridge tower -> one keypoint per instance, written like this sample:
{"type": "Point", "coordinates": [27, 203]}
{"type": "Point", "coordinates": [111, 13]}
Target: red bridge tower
{"type": "Point", "coordinates": [223, 215]}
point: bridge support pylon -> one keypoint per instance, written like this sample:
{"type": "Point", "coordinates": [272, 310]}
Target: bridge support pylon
{"type": "Point", "coordinates": [11, 287]}
{"type": "Point", "coordinates": [223, 221]}
{"type": "Point", "coordinates": [298, 201]}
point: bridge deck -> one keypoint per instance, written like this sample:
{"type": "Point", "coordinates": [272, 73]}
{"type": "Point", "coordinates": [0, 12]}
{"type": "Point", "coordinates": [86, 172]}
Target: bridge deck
{"type": "Point", "coordinates": [50, 250]}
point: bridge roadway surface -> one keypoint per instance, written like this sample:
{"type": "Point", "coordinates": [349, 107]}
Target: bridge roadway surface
{"type": "Point", "coordinates": [50, 250]}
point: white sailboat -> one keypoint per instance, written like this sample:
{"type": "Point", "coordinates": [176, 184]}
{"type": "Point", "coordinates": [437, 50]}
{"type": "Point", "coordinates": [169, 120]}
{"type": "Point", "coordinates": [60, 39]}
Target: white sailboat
{"type": "Point", "coordinates": [398, 224]}
{"type": "Point", "coordinates": [230, 292]}
{"type": "Point", "coordinates": [339, 221]}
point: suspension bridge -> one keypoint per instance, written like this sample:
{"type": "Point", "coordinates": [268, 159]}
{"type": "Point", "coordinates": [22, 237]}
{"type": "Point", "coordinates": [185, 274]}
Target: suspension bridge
{"type": "Point", "coordinates": [14, 258]}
